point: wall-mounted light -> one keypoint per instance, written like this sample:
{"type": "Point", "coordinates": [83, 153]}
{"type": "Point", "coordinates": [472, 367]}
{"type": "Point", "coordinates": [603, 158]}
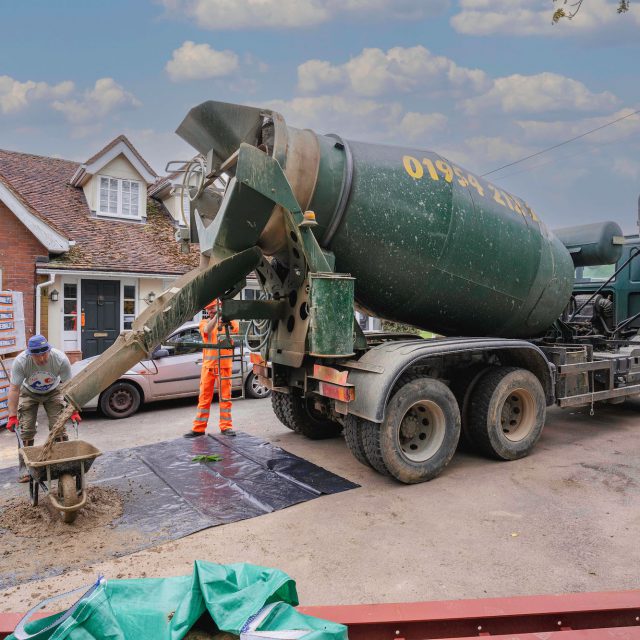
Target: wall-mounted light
{"type": "Point", "coordinates": [54, 295]}
{"type": "Point", "coordinates": [151, 296]}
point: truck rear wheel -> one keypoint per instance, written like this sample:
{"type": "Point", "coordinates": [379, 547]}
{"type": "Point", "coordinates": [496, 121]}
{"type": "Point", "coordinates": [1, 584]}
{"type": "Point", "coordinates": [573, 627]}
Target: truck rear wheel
{"type": "Point", "coordinates": [462, 385]}
{"type": "Point", "coordinates": [419, 434]}
{"type": "Point", "coordinates": [280, 405]}
{"type": "Point", "coordinates": [506, 413]}
{"type": "Point", "coordinates": [353, 428]}
{"type": "Point", "coordinates": [297, 413]}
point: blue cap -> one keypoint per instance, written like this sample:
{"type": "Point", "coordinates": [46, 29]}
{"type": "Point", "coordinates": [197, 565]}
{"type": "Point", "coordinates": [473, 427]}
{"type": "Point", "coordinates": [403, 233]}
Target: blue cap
{"type": "Point", "coordinates": [38, 345]}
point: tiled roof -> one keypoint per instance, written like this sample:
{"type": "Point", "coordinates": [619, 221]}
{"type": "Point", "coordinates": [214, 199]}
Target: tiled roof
{"type": "Point", "coordinates": [101, 244]}
{"type": "Point", "coordinates": [113, 143]}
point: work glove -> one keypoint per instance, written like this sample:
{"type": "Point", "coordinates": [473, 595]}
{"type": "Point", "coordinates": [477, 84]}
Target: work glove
{"type": "Point", "coordinates": [75, 417]}
{"type": "Point", "coordinates": [12, 423]}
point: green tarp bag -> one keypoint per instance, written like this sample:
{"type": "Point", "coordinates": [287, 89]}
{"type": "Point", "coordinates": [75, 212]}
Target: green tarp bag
{"type": "Point", "coordinates": [247, 600]}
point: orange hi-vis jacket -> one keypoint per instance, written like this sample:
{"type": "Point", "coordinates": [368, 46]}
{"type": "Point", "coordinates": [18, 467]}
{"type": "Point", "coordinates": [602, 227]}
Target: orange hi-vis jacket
{"type": "Point", "coordinates": [210, 356]}
{"type": "Point", "coordinates": [212, 375]}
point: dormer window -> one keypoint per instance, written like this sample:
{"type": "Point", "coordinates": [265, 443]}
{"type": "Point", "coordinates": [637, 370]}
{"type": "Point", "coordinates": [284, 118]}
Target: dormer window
{"type": "Point", "coordinates": [119, 197]}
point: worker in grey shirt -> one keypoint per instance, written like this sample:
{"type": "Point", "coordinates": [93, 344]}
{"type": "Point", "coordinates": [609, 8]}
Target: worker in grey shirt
{"type": "Point", "coordinates": [36, 376]}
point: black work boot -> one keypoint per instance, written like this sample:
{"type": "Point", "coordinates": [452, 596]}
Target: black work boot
{"type": "Point", "coordinates": [228, 432]}
{"type": "Point", "coordinates": [193, 434]}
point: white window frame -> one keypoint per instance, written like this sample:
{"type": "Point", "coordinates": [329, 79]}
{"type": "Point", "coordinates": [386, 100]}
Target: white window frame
{"type": "Point", "coordinates": [129, 282]}
{"type": "Point", "coordinates": [122, 216]}
{"type": "Point", "coordinates": [70, 335]}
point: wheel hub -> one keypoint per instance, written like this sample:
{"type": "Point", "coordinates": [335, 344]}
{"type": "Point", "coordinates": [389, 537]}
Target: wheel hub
{"type": "Point", "coordinates": [518, 415]}
{"type": "Point", "coordinates": [120, 400]}
{"type": "Point", "coordinates": [259, 389]}
{"type": "Point", "coordinates": [422, 431]}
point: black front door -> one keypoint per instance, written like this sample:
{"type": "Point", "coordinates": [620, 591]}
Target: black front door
{"type": "Point", "coordinates": [101, 311]}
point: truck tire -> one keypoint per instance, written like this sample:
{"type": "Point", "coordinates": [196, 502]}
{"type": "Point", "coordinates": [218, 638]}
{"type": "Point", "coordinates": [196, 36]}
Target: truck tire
{"type": "Point", "coordinates": [120, 400]}
{"type": "Point", "coordinates": [296, 414]}
{"type": "Point", "coordinates": [506, 413]}
{"type": "Point", "coordinates": [282, 408]}
{"type": "Point", "coordinates": [462, 384]}
{"type": "Point", "coordinates": [353, 438]}
{"type": "Point", "coordinates": [419, 434]}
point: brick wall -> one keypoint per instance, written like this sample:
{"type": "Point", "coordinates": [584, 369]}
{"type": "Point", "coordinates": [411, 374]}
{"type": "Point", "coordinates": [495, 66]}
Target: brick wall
{"type": "Point", "coordinates": [18, 251]}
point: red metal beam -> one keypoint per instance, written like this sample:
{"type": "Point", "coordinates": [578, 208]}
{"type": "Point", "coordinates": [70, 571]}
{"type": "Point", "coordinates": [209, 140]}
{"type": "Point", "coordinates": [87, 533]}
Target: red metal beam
{"type": "Point", "coordinates": [583, 616]}
{"type": "Point", "coordinates": [568, 616]}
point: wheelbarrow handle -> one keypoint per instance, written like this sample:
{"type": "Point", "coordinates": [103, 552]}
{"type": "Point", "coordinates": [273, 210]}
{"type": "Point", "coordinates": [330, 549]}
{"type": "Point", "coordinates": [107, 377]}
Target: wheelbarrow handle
{"type": "Point", "coordinates": [21, 634]}
{"type": "Point", "coordinates": [21, 443]}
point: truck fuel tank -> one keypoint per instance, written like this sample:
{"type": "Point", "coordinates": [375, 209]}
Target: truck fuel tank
{"type": "Point", "coordinates": [591, 245]}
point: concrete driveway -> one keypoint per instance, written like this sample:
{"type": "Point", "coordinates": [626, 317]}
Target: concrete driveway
{"type": "Point", "coordinates": [565, 519]}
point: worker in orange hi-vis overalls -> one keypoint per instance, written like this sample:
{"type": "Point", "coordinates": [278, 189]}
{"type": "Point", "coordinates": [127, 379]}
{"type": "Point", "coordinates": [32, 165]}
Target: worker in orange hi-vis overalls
{"type": "Point", "coordinates": [214, 370]}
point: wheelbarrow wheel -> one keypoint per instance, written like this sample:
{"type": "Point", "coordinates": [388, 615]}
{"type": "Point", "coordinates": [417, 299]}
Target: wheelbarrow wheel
{"type": "Point", "coordinates": [68, 496]}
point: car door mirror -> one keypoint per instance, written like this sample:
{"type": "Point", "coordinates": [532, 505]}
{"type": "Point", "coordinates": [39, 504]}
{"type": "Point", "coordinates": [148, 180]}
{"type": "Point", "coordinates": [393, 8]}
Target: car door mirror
{"type": "Point", "coordinates": [160, 353]}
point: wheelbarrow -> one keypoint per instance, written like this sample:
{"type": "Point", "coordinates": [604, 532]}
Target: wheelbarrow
{"type": "Point", "coordinates": [68, 465]}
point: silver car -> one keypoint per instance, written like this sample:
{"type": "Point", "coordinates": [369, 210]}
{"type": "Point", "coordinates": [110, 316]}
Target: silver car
{"type": "Point", "coordinates": [172, 372]}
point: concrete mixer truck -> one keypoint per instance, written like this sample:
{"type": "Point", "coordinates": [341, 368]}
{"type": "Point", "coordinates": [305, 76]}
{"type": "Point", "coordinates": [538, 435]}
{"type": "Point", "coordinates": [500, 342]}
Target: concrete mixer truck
{"type": "Point", "coordinates": [330, 226]}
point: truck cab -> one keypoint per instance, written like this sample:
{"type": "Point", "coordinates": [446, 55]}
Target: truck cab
{"type": "Point", "coordinates": [624, 288]}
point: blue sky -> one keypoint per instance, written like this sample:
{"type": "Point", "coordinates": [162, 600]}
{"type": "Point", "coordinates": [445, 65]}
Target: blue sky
{"type": "Point", "coordinates": [483, 82]}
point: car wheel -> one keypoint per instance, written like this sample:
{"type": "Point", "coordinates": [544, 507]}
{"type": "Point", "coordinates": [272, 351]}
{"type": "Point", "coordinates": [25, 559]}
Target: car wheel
{"type": "Point", "coordinates": [120, 400]}
{"type": "Point", "coordinates": [254, 389]}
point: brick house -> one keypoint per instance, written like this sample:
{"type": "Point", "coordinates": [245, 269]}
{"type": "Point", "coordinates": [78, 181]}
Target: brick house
{"type": "Point", "coordinates": [86, 244]}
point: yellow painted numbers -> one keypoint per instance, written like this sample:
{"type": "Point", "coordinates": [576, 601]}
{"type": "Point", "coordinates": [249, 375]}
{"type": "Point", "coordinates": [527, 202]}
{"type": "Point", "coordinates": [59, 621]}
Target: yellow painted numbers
{"type": "Point", "coordinates": [442, 170]}
{"type": "Point", "coordinates": [413, 167]}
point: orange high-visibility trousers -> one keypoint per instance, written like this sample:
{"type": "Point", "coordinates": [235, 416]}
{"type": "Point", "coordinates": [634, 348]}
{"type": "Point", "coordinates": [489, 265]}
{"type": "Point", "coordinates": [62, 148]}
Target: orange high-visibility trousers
{"type": "Point", "coordinates": [208, 379]}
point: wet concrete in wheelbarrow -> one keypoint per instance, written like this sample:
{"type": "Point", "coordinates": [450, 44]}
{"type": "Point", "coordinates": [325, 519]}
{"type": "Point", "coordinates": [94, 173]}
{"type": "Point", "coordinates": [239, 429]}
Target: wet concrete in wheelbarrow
{"type": "Point", "coordinates": [148, 495]}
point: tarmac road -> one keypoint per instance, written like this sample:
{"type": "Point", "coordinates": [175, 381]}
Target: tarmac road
{"type": "Point", "coordinates": [565, 519]}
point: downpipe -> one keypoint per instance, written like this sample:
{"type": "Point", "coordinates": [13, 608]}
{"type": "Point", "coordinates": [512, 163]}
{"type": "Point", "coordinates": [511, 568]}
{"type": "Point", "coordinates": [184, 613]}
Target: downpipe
{"type": "Point", "coordinates": [39, 288]}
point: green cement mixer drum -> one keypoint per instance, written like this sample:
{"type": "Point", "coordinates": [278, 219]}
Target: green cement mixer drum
{"type": "Point", "coordinates": [433, 245]}
{"type": "Point", "coordinates": [428, 242]}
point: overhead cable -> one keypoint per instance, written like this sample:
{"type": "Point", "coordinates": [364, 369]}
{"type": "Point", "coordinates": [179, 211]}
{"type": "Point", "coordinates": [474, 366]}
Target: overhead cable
{"type": "Point", "coordinates": [560, 144]}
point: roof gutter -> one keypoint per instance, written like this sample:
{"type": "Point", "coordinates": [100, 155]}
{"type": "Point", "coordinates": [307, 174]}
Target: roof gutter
{"type": "Point", "coordinates": [105, 274]}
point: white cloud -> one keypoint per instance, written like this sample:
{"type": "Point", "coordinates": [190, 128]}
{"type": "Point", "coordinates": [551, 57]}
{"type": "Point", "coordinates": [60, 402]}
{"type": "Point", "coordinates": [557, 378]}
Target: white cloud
{"type": "Point", "coordinates": [283, 14]}
{"type": "Point", "coordinates": [241, 14]}
{"type": "Point", "coordinates": [533, 17]}
{"type": "Point", "coordinates": [415, 125]}
{"type": "Point", "coordinates": [159, 147]}
{"type": "Point", "coordinates": [484, 153]}
{"type": "Point", "coordinates": [537, 94]}
{"type": "Point", "coordinates": [199, 61]}
{"type": "Point", "coordinates": [628, 167]}
{"type": "Point", "coordinates": [314, 75]}
{"type": "Point", "coordinates": [558, 130]}
{"type": "Point", "coordinates": [16, 96]}
{"type": "Point", "coordinates": [105, 97]}
{"type": "Point", "coordinates": [359, 118]}
{"type": "Point", "coordinates": [375, 72]}
{"type": "Point", "coordinates": [495, 149]}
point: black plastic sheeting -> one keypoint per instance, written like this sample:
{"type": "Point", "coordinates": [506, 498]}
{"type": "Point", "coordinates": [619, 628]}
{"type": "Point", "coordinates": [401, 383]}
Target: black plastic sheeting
{"type": "Point", "coordinates": [252, 478]}
{"type": "Point", "coordinates": [168, 496]}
